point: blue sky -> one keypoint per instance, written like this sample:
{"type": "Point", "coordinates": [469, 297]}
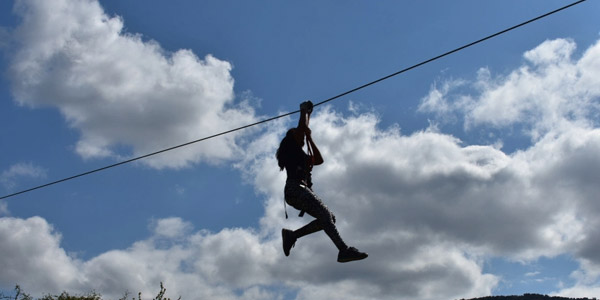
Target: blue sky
{"type": "Point", "coordinates": [473, 175]}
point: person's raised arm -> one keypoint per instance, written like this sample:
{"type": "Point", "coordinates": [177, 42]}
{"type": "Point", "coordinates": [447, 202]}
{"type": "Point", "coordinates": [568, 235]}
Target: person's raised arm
{"type": "Point", "coordinates": [306, 108]}
{"type": "Point", "coordinates": [317, 159]}
{"type": "Point", "coordinates": [302, 122]}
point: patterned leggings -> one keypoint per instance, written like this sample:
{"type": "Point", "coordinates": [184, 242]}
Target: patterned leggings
{"type": "Point", "coordinates": [304, 199]}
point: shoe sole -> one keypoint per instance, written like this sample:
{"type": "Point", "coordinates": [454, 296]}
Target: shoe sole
{"type": "Point", "coordinates": [352, 259]}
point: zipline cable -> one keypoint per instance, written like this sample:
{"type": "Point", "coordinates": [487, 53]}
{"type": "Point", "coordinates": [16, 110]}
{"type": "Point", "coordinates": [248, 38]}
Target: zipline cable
{"type": "Point", "coordinates": [294, 112]}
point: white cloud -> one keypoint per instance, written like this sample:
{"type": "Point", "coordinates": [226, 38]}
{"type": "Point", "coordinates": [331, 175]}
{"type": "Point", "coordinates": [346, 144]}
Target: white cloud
{"type": "Point", "coordinates": [580, 291]}
{"type": "Point", "coordinates": [30, 254]}
{"type": "Point", "coordinates": [587, 281]}
{"type": "Point", "coordinates": [551, 91]}
{"type": "Point", "coordinates": [118, 90]}
{"type": "Point", "coordinates": [403, 261]}
{"type": "Point", "coordinates": [551, 52]}
{"type": "Point", "coordinates": [203, 266]}
{"type": "Point", "coordinates": [428, 210]}
{"type": "Point", "coordinates": [532, 274]}
{"type": "Point", "coordinates": [436, 100]}
{"type": "Point", "coordinates": [409, 200]}
{"type": "Point", "coordinates": [557, 98]}
{"type": "Point", "coordinates": [171, 227]}
{"type": "Point", "coordinates": [9, 178]}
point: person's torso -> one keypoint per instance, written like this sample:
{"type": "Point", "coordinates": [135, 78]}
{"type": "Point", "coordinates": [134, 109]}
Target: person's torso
{"type": "Point", "coordinates": [297, 167]}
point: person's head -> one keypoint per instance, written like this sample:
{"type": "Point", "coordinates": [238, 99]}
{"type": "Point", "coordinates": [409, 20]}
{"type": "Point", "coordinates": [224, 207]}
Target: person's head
{"type": "Point", "coordinates": [293, 140]}
{"type": "Point", "coordinates": [298, 136]}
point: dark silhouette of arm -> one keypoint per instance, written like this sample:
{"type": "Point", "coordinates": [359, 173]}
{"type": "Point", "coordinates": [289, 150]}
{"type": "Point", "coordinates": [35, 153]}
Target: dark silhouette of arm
{"type": "Point", "coordinates": [317, 159]}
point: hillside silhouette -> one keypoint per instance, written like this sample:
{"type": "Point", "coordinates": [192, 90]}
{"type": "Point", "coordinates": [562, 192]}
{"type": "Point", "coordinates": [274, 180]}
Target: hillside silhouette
{"type": "Point", "coordinates": [528, 297]}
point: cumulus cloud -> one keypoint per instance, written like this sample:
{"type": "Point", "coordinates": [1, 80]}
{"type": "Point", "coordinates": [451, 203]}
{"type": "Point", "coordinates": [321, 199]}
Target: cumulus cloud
{"type": "Point", "coordinates": [246, 263]}
{"type": "Point", "coordinates": [203, 266]}
{"type": "Point", "coordinates": [119, 90]}
{"type": "Point", "coordinates": [30, 254]}
{"type": "Point", "coordinates": [171, 227]}
{"type": "Point", "coordinates": [550, 91]}
{"type": "Point", "coordinates": [427, 206]}
{"type": "Point", "coordinates": [230, 264]}
{"type": "Point", "coordinates": [428, 209]}
{"type": "Point", "coordinates": [556, 97]}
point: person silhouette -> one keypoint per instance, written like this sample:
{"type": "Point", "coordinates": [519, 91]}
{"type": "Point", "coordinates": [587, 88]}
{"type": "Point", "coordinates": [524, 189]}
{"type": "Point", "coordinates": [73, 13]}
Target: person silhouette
{"type": "Point", "coordinates": [298, 188]}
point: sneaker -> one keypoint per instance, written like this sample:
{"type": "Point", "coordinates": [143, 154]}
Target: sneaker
{"type": "Point", "coordinates": [289, 240]}
{"type": "Point", "coordinates": [351, 254]}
